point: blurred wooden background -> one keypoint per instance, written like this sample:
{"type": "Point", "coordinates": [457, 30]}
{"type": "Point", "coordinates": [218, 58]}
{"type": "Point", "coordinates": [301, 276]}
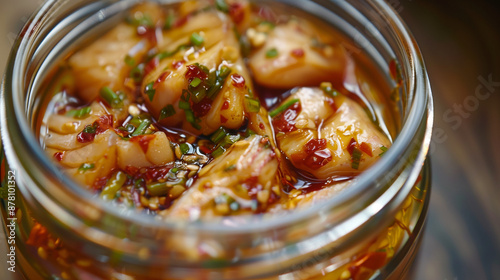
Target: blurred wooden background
{"type": "Point", "coordinates": [460, 41]}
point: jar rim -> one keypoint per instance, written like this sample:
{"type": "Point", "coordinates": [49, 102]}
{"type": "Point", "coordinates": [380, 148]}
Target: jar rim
{"type": "Point", "coordinates": [420, 111]}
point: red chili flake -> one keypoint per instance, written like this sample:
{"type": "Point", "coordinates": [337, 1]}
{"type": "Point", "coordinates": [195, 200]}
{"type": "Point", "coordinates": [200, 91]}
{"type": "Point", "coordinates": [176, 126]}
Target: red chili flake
{"type": "Point", "coordinates": [202, 108]}
{"type": "Point", "coordinates": [225, 106]}
{"type": "Point", "coordinates": [352, 144]}
{"type": "Point", "coordinates": [163, 76]}
{"type": "Point", "coordinates": [393, 69]}
{"type": "Point", "coordinates": [285, 122]}
{"type": "Point", "coordinates": [205, 150]}
{"type": "Point", "coordinates": [238, 80]}
{"type": "Point", "coordinates": [237, 12]}
{"type": "Point", "coordinates": [39, 236]}
{"type": "Point", "coordinates": [59, 156]}
{"type": "Point", "coordinates": [85, 137]}
{"type": "Point", "coordinates": [366, 148]}
{"type": "Point", "coordinates": [314, 145]}
{"type": "Point", "coordinates": [318, 159]}
{"type": "Point", "coordinates": [104, 123]}
{"type": "Point", "coordinates": [181, 21]}
{"type": "Point", "coordinates": [298, 53]}
{"type": "Point", "coordinates": [261, 126]}
{"type": "Point", "coordinates": [194, 71]}
{"type": "Point", "coordinates": [372, 261]}
{"type": "Point", "coordinates": [156, 173]}
{"type": "Point", "coordinates": [132, 170]}
{"type": "Point", "coordinates": [223, 119]}
{"type": "Point", "coordinates": [143, 141]}
{"type": "Point", "coordinates": [151, 65]}
{"type": "Point", "coordinates": [177, 64]}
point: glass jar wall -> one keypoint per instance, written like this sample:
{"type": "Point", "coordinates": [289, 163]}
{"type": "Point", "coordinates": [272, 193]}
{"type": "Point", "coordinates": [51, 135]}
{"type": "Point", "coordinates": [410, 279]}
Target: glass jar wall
{"type": "Point", "coordinates": [62, 231]}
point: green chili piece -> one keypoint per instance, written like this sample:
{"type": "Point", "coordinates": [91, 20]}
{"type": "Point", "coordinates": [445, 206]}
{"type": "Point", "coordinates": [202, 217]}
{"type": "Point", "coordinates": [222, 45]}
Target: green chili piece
{"type": "Point", "coordinates": [113, 185]}
{"type": "Point", "coordinates": [79, 113]}
{"type": "Point", "coordinates": [141, 129]}
{"type": "Point", "coordinates": [111, 98]}
{"type": "Point", "coordinates": [283, 107]}
{"type": "Point", "coordinates": [157, 189]}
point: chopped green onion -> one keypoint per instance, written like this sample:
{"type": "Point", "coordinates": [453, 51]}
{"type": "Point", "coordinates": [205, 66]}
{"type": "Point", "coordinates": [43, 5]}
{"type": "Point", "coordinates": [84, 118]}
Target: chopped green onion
{"type": "Point", "coordinates": [113, 185]}
{"type": "Point", "coordinates": [328, 89]}
{"type": "Point", "coordinates": [137, 73]}
{"type": "Point", "coordinates": [192, 119]}
{"type": "Point", "coordinates": [184, 105]}
{"type": "Point", "coordinates": [185, 148]}
{"type": "Point", "coordinates": [174, 170]}
{"type": "Point", "coordinates": [150, 91]}
{"type": "Point", "coordinates": [230, 168]}
{"type": "Point", "coordinates": [283, 107]}
{"type": "Point", "coordinates": [199, 94]}
{"type": "Point", "coordinates": [166, 112]}
{"type": "Point", "coordinates": [267, 23]}
{"type": "Point", "coordinates": [249, 132]}
{"type": "Point", "coordinates": [218, 152]}
{"type": "Point", "coordinates": [190, 116]}
{"type": "Point", "coordinates": [143, 20]}
{"type": "Point", "coordinates": [222, 6]}
{"type": "Point", "coordinates": [86, 166]}
{"type": "Point", "coordinates": [197, 39]}
{"type": "Point", "coordinates": [356, 158]}
{"type": "Point", "coordinates": [195, 82]}
{"type": "Point", "coordinates": [169, 21]}
{"type": "Point", "coordinates": [111, 98]}
{"type": "Point", "coordinates": [79, 113]}
{"type": "Point", "coordinates": [272, 53]}
{"type": "Point", "coordinates": [130, 61]}
{"type": "Point", "coordinates": [252, 105]}
{"type": "Point", "coordinates": [142, 128]}
{"type": "Point", "coordinates": [157, 189]}
{"type": "Point", "coordinates": [139, 183]}
{"type": "Point", "coordinates": [224, 72]}
{"type": "Point", "coordinates": [231, 139]}
{"type": "Point", "coordinates": [90, 128]}
{"type": "Point", "coordinates": [384, 149]}
{"type": "Point", "coordinates": [218, 135]}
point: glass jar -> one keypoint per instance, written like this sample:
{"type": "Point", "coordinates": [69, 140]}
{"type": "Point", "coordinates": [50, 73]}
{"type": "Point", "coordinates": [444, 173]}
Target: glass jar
{"type": "Point", "coordinates": [61, 231]}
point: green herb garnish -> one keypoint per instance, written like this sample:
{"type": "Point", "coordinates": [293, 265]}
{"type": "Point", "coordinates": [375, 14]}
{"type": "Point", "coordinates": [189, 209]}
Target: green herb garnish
{"type": "Point", "coordinates": [252, 105]}
{"type": "Point", "coordinates": [130, 61]}
{"type": "Point", "coordinates": [328, 89]}
{"type": "Point", "coordinates": [157, 189]}
{"type": "Point", "coordinates": [86, 166]}
{"type": "Point", "coordinates": [283, 107]}
{"type": "Point", "coordinates": [111, 98]}
{"type": "Point", "coordinates": [196, 39]}
{"type": "Point", "coordinates": [185, 148]}
{"type": "Point", "coordinates": [356, 158]}
{"type": "Point", "coordinates": [166, 112]}
{"type": "Point", "coordinates": [384, 149]}
{"type": "Point", "coordinates": [150, 91]}
{"type": "Point", "coordinates": [272, 53]}
{"type": "Point", "coordinates": [79, 113]}
{"type": "Point", "coordinates": [142, 128]}
{"type": "Point", "coordinates": [222, 6]}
